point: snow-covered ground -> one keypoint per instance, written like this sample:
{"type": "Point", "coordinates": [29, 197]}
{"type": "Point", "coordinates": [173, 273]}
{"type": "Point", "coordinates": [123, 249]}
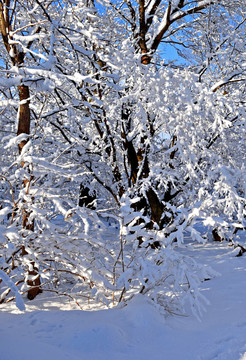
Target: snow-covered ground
{"type": "Point", "coordinates": [52, 330]}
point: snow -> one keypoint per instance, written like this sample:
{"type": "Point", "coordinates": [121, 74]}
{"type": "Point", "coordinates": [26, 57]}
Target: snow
{"type": "Point", "coordinates": [53, 328]}
{"type": "Point", "coordinates": [19, 301]}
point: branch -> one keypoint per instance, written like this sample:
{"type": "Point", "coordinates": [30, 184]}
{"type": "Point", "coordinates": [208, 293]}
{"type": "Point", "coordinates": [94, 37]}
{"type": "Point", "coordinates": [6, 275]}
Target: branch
{"type": "Point", "coordinates": [132, 11]}
{"type": "Point", "coordinates": [4, 23]}
{"type": "Point", "coordinates": [103, 183]}
{"type": "Point", "coordinates": [142, 25]}
{"type": "Point", "coordinates": [226, 81]}
{"type": "Point", "coordinates": [26, 26]}
{"type": "Point", "coordinates": [212, 141]}
{"type": "Point", "coordinates": [62, 132]}
{"type": "Point", "coordinates": [204, 68]}
{"type": "Point", "coordinates": [166, 23]}
{"type": "Point", "coordinates": [44, 11]}
{"type": "Point", "coordinates": [172, 16]}
{"type": "Point", "coordinates": [194, 10]}
{"type": "Point", "coordinates": [152, 12]}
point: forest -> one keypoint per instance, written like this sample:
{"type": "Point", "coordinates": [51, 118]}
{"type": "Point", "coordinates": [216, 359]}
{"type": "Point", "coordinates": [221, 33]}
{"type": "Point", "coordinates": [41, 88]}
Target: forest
{"type": "Point", "coordinates": [123, 139]}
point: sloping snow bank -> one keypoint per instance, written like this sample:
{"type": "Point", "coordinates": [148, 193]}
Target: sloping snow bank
{"type": "Point", "coordinates": [137, 331]}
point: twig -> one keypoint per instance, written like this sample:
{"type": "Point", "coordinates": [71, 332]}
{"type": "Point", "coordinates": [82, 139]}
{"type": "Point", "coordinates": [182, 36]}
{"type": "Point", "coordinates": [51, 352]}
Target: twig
{"type": "Point", "coordinates": [26, 26]}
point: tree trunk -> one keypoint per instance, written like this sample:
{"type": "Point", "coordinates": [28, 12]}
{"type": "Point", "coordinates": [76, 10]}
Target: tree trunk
{"type": "Point", "coordinates": [24, 114]}
{"type": "Point", "coordinates": [24, 121]}
{"type": "Point", "coordinates": [24, 128]}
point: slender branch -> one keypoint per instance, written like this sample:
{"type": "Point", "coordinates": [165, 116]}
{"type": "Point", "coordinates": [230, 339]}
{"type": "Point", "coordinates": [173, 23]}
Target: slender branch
{"type": "Point", "coordinates": [132, 11]}
{"type": "Point", "coordinates": [62, 132]}
{"type": "Point", "coordinates": [227, 81]}
{"type": "Point", "coordinates": [103, 183]}
{"type": "Point", "coordinates": [26, 26]}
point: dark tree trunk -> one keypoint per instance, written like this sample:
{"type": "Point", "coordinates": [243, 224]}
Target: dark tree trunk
{"type": "Point", "coordinates": [87, 198]}
{"type": "Point", "coordinates": [24, 122]}
{"type": "Point", "coordinates": [216, 235]}
{"type": "Point", "coordinates": [24, 113]}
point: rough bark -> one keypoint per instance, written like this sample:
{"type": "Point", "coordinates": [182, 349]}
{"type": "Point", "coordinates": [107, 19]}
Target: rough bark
{"type": "Point", "coordinates": [24, 122]}
{"type": "Point", "coordinates": [24, 114]}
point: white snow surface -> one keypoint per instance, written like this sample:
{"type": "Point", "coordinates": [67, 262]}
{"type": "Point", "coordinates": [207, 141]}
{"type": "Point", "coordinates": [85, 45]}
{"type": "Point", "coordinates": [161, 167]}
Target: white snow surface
{"type": "Point", "coordinates": [53, 329]}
